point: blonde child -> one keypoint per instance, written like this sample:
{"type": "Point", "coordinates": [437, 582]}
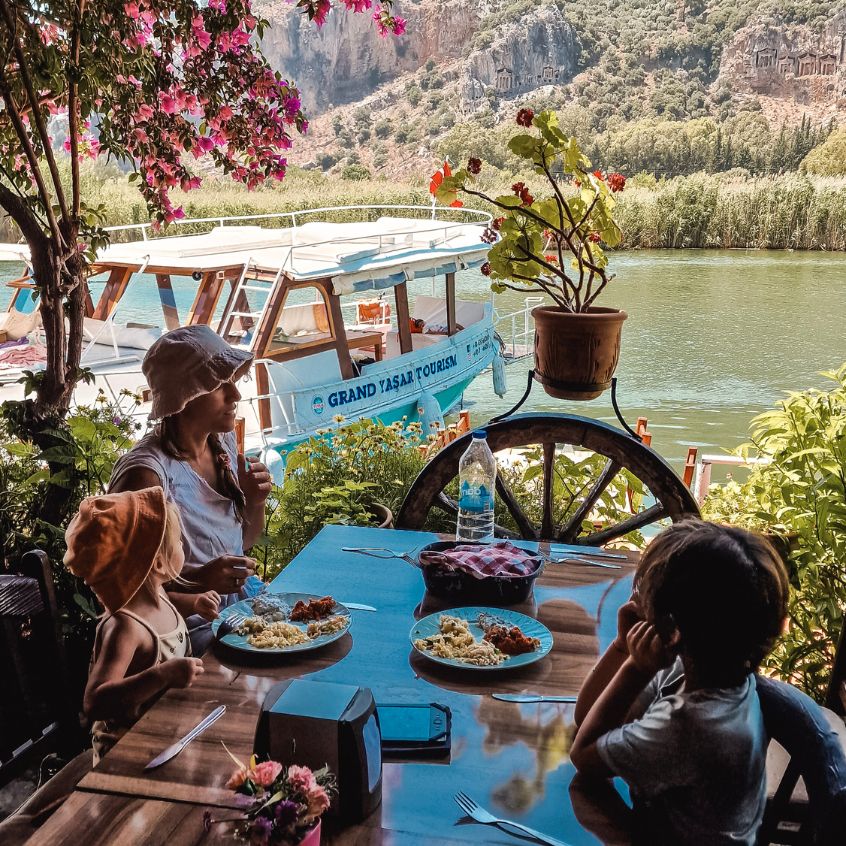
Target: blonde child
{"type": "Point", "coordinates": [126, 547]}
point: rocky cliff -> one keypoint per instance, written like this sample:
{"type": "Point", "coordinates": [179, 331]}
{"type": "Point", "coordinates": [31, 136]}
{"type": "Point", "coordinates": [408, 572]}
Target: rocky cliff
{"type": "Point", "coordinates": [346, 60]}
{"type": "Point", "coordinates": [789, 62]}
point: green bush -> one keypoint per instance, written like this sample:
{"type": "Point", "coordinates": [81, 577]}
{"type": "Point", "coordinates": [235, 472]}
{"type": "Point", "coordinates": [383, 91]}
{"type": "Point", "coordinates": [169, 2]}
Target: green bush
{"type": "Point", "coordinates": [801, 495]}
{"type": "Point", "coordinates": [355, 172]}
{"type": "Point", "coordinates": [87, 449]}
{"type": "Point", "coordinates": [336, 477]}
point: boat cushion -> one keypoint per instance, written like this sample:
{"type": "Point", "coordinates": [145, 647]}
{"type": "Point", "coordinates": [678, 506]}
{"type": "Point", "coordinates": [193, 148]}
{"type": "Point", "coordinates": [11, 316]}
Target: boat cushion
{"type": "Point", "coordinates": [17, 324]}
{"type": "Point", "coordinates": [130, 337]}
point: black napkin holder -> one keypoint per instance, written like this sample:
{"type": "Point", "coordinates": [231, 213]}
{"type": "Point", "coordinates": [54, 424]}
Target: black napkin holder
{"type": "Point", "coordinates": [313, 724]}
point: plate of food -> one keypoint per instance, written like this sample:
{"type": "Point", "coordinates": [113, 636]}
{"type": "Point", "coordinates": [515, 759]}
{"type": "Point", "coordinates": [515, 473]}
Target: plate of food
{"type": "Point", "coordinates": [481, 638]}
{"type": "Point", "coordinates": [282, 623]}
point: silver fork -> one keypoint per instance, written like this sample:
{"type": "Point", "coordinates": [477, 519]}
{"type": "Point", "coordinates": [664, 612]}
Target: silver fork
{"type": "Point", "coordinates": [229, 624]}
{"type": "Point", "coordinates": [478, 813]}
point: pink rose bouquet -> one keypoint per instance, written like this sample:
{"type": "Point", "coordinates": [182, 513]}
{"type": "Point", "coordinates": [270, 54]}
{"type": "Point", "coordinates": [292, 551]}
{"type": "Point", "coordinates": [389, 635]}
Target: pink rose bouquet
{"type": "Point", "coordinates": [285, 803]}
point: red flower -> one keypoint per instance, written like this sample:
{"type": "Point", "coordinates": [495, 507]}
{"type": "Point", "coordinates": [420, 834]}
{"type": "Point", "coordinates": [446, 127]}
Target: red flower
{"type": "Point", "coordinates": [594, 237]}
{"type": "Point", "coordinates": [474, 165]}
{"type": "Point", "coordinates": [551, 259]}
{"type": "Point", "coordinates": [577, 183]}
{"type": "Point", "coordinates": [518, 187]}
{"type": "Point", "coordinates": [525, 117]}
{"type": "Point", "coordinates": [486, 269]}
{"type": "Point", "coordinates": [526, 197]}
{"type": "Point", "coordinates": [496, 223]}
{"type": "Point", "coordinates": [617, 181]}
{"type": "Point", "coordinates": [489, 236]}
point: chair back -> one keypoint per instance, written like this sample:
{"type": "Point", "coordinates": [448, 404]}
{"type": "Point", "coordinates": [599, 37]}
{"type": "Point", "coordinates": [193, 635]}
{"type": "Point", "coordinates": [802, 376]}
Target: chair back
{"type": "Point", "coordinates": [816, 755]}
{"type": "Point", "coordinates": [37, 711]}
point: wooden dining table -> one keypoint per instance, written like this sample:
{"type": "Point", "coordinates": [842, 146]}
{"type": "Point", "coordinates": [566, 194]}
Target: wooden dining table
{"type": "Point", "coordinates": [511, 758]}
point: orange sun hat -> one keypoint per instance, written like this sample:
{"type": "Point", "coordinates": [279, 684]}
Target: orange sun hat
{"type": "Point", "coordinates": [113, 542]}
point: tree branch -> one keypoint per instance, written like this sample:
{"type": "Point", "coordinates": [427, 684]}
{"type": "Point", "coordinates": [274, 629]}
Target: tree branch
{"type": "Point", "coordinates": [73, 111]}
{"type": "Point", "coordinates": [37, 117]}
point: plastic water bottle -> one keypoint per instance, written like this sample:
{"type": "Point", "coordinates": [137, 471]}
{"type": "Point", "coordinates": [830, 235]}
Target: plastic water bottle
{"type": "Point", "coordinates": [476, 486]}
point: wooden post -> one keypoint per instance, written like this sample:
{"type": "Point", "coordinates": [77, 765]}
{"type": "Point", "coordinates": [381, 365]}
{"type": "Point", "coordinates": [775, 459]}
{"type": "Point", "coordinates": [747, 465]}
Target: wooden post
{"type": "Point", "coordinates": [452, 326]}
{"type": "Point", "coordinates": [168, 301]}
{"type": "Point", "coordinates": [645, 434]}
{"type": "Point", "coordinates": [689, 466]}
{"type": "Point", "coordinates": [403, 317]}
{"type": "Point", "coordinates": [208, 294]}
{"type": "Point", "coordinates": [263, 388]}
{"type": "Point", "coordinates": [339, 333]}
{"type": "Point", "coordinates": [115, 286]}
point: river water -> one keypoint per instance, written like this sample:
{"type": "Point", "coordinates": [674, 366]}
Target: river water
{"type": "Point", "coordinates": [713, 338]}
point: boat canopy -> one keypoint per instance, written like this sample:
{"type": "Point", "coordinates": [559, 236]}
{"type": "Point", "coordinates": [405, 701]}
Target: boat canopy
{"type": "Point", "coordinates": [356, 256]}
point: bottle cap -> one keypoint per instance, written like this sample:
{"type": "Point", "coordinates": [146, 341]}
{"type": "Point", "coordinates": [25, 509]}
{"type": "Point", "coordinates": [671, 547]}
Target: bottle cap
{"type": "Point", "coordinates": [480, 434]}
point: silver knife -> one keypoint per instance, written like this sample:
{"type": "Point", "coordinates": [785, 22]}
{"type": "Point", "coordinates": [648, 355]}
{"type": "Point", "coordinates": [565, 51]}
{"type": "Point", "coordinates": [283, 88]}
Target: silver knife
{"type": "Point", "coordinates": [593, 552]}
{"type": "Point", "coordinates": [173, 750]}
{"type": "Point", "coordinates": [531, 697]}
{"type": "Point", "coordinates": [357, 606]}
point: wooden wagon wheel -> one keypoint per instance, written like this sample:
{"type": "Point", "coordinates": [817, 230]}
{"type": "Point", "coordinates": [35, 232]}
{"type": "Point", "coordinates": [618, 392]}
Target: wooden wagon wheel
{"type": "Point", "coordinates": [672, 499]}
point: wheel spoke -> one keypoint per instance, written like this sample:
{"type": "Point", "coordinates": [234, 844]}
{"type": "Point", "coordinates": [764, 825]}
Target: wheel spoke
{"type": "Point", "coordinates": [547, 529]}
{"type": "Point", "coordinates": [571, 531]}
{"type": "Point", "coordinates": [446, 503]}
{"type": "Point", "coordinates": [636, 521]}
{"type": "Point", "coordinates": [524, 524]}
{"type": "Point", "coordinates": [450, 506]}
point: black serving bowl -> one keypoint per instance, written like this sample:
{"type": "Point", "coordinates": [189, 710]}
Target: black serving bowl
{"type": "Point", "coordinates": [462, 587]}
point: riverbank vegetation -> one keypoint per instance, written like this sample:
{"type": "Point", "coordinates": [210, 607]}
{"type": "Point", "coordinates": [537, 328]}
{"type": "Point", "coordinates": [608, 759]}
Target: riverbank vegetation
{"type": "Point", "coordinates": [728, 210]}
{"type": "Point", "coordinates": [797, 495]}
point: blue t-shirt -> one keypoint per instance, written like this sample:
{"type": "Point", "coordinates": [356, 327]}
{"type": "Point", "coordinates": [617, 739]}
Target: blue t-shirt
{"type": "Point", "coordinates": [695, 762]}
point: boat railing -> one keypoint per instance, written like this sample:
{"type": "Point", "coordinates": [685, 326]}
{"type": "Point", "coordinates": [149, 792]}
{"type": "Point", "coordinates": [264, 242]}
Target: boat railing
{"type": "Point", "coordinates": [295, 218]}
{"type": "Point", "coordinates": [517, 329]}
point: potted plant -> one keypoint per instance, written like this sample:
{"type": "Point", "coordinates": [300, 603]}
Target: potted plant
{"type": "Point", "coordinates": [282, 805]}
{"type": "Point", "coordinates": [554, 245]}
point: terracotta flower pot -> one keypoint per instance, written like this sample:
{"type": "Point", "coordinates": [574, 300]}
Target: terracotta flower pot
{"type": "Point", "coordinates": [312, 838]}
{"type": "Point", "coordinates": [383, 514]}
{"type": "Point", "coordinates": [576, 354]}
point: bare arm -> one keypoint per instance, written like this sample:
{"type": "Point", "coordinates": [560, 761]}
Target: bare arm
{"type": "Point", "coordinates": [255, 483]}
{"type": "Point", "coordinates": [110, 692]}
{"type": "Point", "coordinates": [224, 574]}
{"type": "Point", "coordinates": [606, 668]}
{"type": "Point", "coordinates": [647, 655]}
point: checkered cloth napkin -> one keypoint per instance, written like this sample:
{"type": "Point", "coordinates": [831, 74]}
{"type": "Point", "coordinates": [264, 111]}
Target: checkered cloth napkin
{"type": "Point", "coordinates": [481, 561]}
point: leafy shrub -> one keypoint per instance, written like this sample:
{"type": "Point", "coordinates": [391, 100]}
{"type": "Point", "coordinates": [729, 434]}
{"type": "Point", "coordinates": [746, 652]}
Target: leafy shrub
{"type": "Point", "coordinates": [382, 129]}
{"type": "Point", "coordinates": [355, 172]}
{"type": "Point", "coordinates": [336, 477]}
{"type": "Point", "coordinates": [801, 494]}
{"type": "Point", "coordinates": [95, 437]}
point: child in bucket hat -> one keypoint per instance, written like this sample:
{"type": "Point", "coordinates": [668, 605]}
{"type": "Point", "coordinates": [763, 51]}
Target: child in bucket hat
{"type": "Point", "coordinates": [126, 547]}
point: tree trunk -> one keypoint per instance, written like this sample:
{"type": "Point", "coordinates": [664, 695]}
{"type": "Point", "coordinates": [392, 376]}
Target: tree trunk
{"type": "Point", "coordinates": [42, 420]}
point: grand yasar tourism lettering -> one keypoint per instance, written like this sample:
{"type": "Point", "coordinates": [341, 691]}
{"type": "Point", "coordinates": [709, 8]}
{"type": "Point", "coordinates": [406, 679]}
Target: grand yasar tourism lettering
{"type": "Point", "coordinates": [392, 383]}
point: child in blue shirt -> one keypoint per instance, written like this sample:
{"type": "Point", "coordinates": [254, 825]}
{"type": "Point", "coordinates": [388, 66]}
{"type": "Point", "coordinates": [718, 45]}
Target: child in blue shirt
{"type": "Point", "coordinates": [672, 706]}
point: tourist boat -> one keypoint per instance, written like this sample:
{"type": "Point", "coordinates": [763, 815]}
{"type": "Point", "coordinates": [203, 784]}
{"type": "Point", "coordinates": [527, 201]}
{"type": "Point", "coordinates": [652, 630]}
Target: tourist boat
{"type": "Point", "coordinates": [323, 306]}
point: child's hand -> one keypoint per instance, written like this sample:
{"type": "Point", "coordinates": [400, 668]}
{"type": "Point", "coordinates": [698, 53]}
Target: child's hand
{"type": "Point", "coordinates": [207, 605]}
{"type": "Point", "coordinates": [627, 615]}
{"type": "Point", "coordinates": [182, 672]}
{"type": "Point", "coordinates": [647, 650]}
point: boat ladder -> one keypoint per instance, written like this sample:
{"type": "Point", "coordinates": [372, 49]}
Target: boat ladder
{"type": "Point", "coordinates": [240, 317]}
